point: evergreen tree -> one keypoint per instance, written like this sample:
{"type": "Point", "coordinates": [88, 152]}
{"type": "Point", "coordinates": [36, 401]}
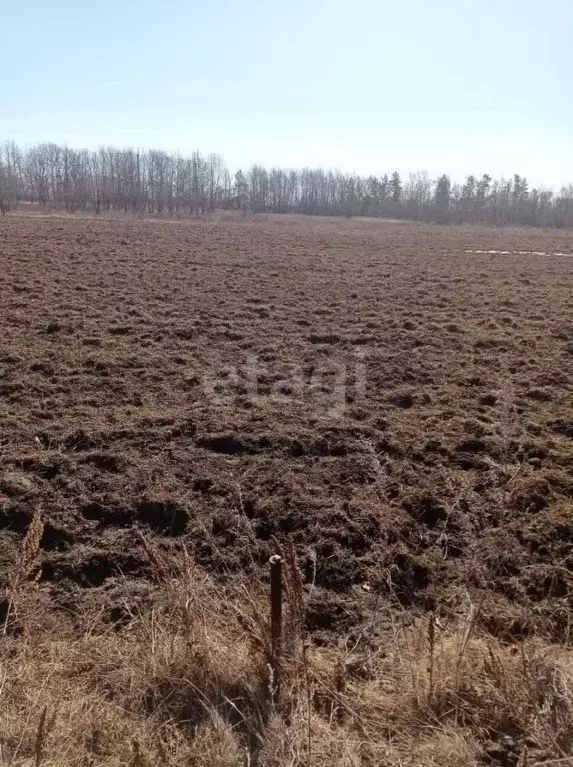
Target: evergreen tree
{"type": "Point", "coordinates": [396, 187]}
{"type": "Point", "coordinates": [442, 198]}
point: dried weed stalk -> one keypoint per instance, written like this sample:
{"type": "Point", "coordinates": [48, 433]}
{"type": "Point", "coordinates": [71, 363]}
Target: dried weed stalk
{"type": "Point", "coordinates": [27, 567]}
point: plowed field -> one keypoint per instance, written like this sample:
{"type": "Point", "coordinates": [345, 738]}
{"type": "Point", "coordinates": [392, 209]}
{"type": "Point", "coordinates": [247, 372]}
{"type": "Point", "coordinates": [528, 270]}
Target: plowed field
{"type": "Point", "coordinates": [399, 406]}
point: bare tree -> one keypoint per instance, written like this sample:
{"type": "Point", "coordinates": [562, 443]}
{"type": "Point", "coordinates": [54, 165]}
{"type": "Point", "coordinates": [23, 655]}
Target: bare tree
{"type": "Point", "coordinates": [156, 182]}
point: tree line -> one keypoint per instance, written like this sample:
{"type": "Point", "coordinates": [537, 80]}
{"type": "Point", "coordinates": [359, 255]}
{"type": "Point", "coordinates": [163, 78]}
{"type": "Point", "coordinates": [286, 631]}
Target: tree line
{"type": "Point", "coordinates": [160, 183]}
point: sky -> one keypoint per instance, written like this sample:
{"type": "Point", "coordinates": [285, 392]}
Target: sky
{"type": "Point", "coordinates": [447, 86]}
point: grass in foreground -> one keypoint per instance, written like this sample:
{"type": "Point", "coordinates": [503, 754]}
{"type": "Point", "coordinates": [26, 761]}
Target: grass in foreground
{"type": "Point", "coordinates": [188, 683]}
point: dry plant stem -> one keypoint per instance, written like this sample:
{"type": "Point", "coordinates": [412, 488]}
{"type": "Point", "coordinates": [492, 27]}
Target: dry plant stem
{"type": "Point", "coordinates": [27, 563]}
{"type": "Point", "coordinates": [40, 738]}
{"type": "Point", "coordinates": [308, 701]}
{"type": "Point", "coordinates": [431, 648]}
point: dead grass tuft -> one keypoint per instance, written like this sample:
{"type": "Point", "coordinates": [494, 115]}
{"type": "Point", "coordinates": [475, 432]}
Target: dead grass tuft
{"type": "Point", "coordinates": [187, 683]}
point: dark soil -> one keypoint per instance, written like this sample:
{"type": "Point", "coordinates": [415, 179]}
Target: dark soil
{"type": "Point", "coordinates": [400, 408]}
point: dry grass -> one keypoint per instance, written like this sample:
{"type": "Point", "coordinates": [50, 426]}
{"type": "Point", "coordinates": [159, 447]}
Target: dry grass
{"type": "Point", "coordinates": [187, 683]}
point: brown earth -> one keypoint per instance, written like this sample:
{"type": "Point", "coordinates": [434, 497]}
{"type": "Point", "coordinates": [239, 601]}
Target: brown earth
{"type": "Point", "coordinates": [409, 420]}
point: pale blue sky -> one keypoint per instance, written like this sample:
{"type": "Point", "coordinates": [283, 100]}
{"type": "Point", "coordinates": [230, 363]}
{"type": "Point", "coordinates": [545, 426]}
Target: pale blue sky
{"type": "Point", "coordinates": [455, 86]}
